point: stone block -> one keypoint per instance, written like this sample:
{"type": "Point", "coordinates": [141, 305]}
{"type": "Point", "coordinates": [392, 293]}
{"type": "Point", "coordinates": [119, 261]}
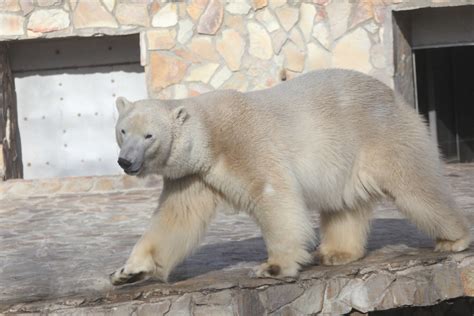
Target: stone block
{"type": "Point", "coordinates": [218, 298]}
{"type": "Point", "coordinates": [202, 73]}
{"type": "Point", "coordinates": [447, 281]}
{"type": "Point", "coordinates": [268, 20]}
{"type": "Point", "coordinates": [167, 70]}
{"type": "Point", "coordinates": [332, 304]}
{"type": "Point", "coordinates": [361, 12]}
{"type": "Point", "coordinates": [91, 14]}
{"type": "Point", "coordinates": [338, 13]}
{"type": "Point", "coordinates": [212, 311]}
{"type": "Point", "coordinates": [311, 301]}
{"type": "Point", "coordinates": [238, 7]}
{"type": "Point", "coordinates": [288, 16]}
{"type": "Point", "coordinates": [235, 22]}
{"type": "Point", "coordinates": [403, 291]}
{"type": "Point", "coordinates": [197, 88]}
{"type": "Point", "coordinates": [211, 19]}
{"type": "Point", "coordinates": [103, 184]}
{"type": "Point", "coordinates": [185, 31]}
{"type": "Point", "coordinates": [231, 46]}
{"type": "Point", "coordinates": [260, 42]}
{"type": "Point", "coordinates": [167, 16]}
{"type": "Point", "coordinates": [238, 81]}
{"type": "Point", "coordinates": [467, 279]}
{"type": "Point", "coordinates": [11, 24]}
{"type": "Point", "coordinates": [248, 303]}
{"type": "Point", "coordinates": [44, 21]}
{"type": "Point", "coordinates": [220, 77]}
{"type": "Point", "coordinates": [181, 306]}
{"type": "Point", "coordinates": [195, 8]}
{"type": "Point", "coordinates": [77, 185]}
{"type": "Point", "coordinates": [203, 47]}
{"type": "Point", "coordinates": [132, 14]}
{"type": "Point", "coordinates": [161, 39]}
{"type": "Point", "coordinates": [306, 22]}
{"type": "Point", "coordinates": [294, 58]}
{"type": "Point", "coordinates": [259, 4]}
{"type": "Point", "coordinates": [317, 57]}
{"type": "Point", "coordinates": [365, 295]}
{"type": "Point", "coordinates": [47, 3]}
{"type": "Point", "coordinates": [353, 51]}
{"type": "Point", "coordinates": [279, 38]}
{"type": "Point", "coordinates": [322, 35]}
{"type": "Point", "coordinates": [280, 295]}
{"type": "Point", "coordinates": [156, 308]}
{"type": "Point", "coordinates": [49, 186]}
{"type": "Point", "coordinates": [10, 5]}
{"type": "Point", "coordinates": [297, 39]}
{"type": "Point", "coordinates": [109, 4]}
{"type": "Point", "coordinates": [26, 6]}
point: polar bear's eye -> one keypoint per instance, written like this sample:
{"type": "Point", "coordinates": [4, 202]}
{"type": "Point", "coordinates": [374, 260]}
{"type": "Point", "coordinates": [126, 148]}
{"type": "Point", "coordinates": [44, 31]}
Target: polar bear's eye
{"type": "Point", "coordinates": [123, 132]}
{"type": "Point", "coordinates": [148, 136]}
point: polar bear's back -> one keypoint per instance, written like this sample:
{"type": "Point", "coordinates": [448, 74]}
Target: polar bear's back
{"type": "Point", "coordinates": [340, 104]}
{"type": "Point", "coordinates": [339, 90]}
{"type": "Point", "coordinates": [327, 127]}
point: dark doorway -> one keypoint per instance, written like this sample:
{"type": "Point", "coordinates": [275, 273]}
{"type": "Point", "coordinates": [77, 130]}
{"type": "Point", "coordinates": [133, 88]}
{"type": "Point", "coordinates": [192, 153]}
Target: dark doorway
{"type": "Point", "coordinates": [445, 93]}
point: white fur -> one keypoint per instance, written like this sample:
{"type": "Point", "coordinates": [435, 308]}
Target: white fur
{"type": "Point", "coordinates": [268, 190]}
{"type": "Point", "coordinates": [332, 140]}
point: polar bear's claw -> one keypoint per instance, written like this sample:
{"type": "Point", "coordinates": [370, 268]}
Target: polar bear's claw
{"type": "Point", "coordinates": [119, 277]}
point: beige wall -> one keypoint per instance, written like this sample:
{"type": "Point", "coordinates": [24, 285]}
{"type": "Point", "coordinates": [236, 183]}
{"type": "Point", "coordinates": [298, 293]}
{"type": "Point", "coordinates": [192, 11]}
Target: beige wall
{"type": "Point", "coordinates": [199, 45]}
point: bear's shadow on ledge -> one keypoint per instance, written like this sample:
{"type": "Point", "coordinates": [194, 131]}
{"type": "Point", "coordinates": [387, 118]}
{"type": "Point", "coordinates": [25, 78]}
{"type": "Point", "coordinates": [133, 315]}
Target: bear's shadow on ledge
{"type": "Point", "coordinates": [224, 255]}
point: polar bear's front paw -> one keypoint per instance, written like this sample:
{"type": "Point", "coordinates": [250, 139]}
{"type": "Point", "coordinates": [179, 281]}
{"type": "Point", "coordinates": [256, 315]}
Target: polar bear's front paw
{"type": "Point", "coordinates": [277, 271]}
{"type": "Point", "coordinates": [124, 276]}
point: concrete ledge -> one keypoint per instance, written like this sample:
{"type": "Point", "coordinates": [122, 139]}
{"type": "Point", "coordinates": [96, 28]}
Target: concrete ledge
{"type": "Point", "coordinates": [17, 188]}
{"type": "Point", "coordinates": [57, 251]}
{"type": "Point", "coordinates": [393, 276]}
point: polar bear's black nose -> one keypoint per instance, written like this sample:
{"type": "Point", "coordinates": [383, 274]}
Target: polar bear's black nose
{"type": "Point", "coordinates": [124, 163]}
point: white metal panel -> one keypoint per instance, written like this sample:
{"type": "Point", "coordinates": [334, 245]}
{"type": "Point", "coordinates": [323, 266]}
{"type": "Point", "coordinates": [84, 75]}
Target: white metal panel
{"type": "Point", "coordinates": [67, 118]}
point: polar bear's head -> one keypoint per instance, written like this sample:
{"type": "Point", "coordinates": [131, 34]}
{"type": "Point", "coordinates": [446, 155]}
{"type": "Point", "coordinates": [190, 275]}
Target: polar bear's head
{"type": "Point", "coordinates": [144, 133]}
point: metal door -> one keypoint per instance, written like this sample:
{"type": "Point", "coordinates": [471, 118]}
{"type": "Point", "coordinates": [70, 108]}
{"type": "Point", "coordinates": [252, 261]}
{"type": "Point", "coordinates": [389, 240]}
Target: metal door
{"type": "Point", "coordinates": [446, 98]}
{"type": "Point", "coordinates": [67, 113]}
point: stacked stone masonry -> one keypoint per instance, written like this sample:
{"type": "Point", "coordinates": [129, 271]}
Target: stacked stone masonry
{"type": "Point", "coordinates": [191, 47]}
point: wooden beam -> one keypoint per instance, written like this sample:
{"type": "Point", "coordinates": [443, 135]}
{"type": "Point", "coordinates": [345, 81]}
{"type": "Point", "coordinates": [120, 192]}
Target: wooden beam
{"type": "Point", "coordinates": [10, 145]}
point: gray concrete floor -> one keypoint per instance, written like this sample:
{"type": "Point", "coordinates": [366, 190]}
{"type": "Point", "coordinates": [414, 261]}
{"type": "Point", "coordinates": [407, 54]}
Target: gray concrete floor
{"type": "Point", "coordinates": [64, 245]}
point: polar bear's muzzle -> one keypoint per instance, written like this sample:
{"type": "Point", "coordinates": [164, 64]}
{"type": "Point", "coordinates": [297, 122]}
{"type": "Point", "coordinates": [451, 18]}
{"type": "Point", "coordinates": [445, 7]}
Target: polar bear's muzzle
{"type": "Point", "coordinates": [131, 157]}
{"type": "Point", "coordinates": [128, 166]}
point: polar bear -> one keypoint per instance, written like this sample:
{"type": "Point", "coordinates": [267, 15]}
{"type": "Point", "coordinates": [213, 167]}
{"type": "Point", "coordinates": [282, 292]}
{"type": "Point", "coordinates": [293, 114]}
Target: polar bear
{"type": "Point", "coordinates": [334, 141]}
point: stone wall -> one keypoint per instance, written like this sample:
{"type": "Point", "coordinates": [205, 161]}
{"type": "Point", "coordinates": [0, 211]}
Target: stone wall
{"type": "Point", "coordinates": [199, 45]}
{"type": "Point", "coordinates": [191, 47]}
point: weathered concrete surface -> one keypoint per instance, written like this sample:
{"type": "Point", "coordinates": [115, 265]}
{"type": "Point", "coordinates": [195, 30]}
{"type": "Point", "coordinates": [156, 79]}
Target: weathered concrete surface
{"type": "Point", "coordinates": [57, 249]}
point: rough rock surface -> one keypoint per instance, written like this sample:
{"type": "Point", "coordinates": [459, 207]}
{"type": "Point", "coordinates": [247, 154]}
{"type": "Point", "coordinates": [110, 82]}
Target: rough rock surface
{"type": "Point", "coordinates": [57, 249]}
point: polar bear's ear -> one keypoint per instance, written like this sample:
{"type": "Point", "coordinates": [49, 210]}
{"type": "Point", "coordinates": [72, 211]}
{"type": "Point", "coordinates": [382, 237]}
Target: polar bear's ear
{"type": "Point", "coordinates": [122, 104]}
{"type": "Point", "coordinates": [180, 115]}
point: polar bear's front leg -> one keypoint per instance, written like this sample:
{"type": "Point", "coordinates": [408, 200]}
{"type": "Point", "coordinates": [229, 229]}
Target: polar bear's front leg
{"type": "Point", "coordinates": [287, 231]}
{"type": "Point", "coordinates": [140, 263]}
{"type": "Point", "coordinates": [186, 208]}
